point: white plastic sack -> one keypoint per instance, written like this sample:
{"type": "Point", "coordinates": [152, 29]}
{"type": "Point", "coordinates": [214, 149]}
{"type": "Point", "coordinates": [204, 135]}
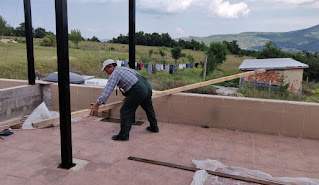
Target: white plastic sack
{"type": "Point", "coordinates": [214, 165]}
{"type": "Point", "coordinates": [40, 113]}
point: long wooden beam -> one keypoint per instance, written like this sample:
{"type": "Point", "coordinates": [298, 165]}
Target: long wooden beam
{"type": "Point", "coordinates": [220, 174]}
{"type": "Point", "coordinates": [209, 82]}
{"type": "Point", "coordinates": [48, 122]}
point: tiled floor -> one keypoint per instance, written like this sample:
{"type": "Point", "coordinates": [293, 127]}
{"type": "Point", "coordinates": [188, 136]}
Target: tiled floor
{"type": "Point", "coordinates": [32, 156]}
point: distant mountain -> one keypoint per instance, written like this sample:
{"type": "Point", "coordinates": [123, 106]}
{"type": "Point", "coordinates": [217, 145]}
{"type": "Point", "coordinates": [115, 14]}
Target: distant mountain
{"type": "Point", "coordinates": [293, 41]}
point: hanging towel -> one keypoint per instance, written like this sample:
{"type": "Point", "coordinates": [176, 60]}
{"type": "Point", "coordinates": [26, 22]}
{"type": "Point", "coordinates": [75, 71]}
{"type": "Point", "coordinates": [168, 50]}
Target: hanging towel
{"type": "Point", "coordinates": [191, 65]}
{"type": "Point", "coordinates": [149, 69]}
{"type": "Point", "coordinates": [184, 66]}
{"type": "Point", "coordinates": [187, 65]}
{"type": "Point", "coordinates": [175, 68]}
{"type": "Point", "coordinates": [142, 64]}
{"type": "Point", "coordinates": [125, 63]}
{"type": "Point", "coordinates": [145, 65]}
{"type": "Point", "coordinates": [166, 69]}
{"type": "Point", "coordinates": [171, 69]}
{"type": "Point", "coordinates": [158, 67]}
{"type": "Point", "coordinates": [118, 63]}
{"type": "Point", "coordinates": [180, 66]}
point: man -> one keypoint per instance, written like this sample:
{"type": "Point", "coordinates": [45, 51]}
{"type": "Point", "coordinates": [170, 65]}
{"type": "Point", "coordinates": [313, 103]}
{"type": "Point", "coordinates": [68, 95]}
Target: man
{"type": "Point", "coordinates": [137, 91]}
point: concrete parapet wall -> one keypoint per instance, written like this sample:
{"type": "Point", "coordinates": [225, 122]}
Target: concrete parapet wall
{"type": "Point", "coordinates": [295, 119]}
{"type": "Point", "coordinates": [7, 83]}
{"type": "Point", "coordinates": [18, 101]}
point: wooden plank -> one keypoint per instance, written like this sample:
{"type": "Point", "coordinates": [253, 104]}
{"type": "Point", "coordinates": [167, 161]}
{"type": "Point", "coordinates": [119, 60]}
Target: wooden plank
{"type": "Point", "coordinates": [209, 82]}
{"type": "Point", "coordinates": [84, 112]}
{"type": "Point", "coordinates": [220, 174]}
{"type": "Point", "coordinates": [48, 122]}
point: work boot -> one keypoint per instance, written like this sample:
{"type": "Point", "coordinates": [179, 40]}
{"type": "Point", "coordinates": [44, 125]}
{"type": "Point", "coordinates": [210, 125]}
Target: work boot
{"type": "Point", "coordinates": [152, 129]}
{"type": "Point", "coordinates": [120, 138]}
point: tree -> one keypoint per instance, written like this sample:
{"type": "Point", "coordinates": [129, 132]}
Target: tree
{"type": "Point", "coordinates": [271, 51]}
{"type": "Point", "coordinates": [150, 52]}
{"type": "Point", "coordinates": [3, 25]}
{"type": "Point", "coordinates": [95, 39]}
{"type": "Point", "coordinates": [161, 52]}
{"type": "Point", "coordinates": [75, 37]}
{"type": "Point", "coordinates": [20, 31]}
{"type": "Point", "coordinates": [190, 58]}
{"type": "Point", "coordinates": [216, 54]}
{"type": "Point", "coordinates": [176, 53]}
{"type": "Point", "coordinates": [39, 33]}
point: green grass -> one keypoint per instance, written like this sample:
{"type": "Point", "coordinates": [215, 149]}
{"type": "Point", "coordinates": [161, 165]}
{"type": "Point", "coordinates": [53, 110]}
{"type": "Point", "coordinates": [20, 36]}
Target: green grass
{"type": "Point", "coordinates": [84, 61]}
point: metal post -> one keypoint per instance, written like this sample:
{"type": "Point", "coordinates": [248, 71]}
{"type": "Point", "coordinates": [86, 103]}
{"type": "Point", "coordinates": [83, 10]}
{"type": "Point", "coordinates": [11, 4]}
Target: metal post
{"type": "Point", "coordinates": [132, 34]}
{"type": "Point", "coordinates": [64, 82]}
{"type": "Point", "coordinates": [29, 41]}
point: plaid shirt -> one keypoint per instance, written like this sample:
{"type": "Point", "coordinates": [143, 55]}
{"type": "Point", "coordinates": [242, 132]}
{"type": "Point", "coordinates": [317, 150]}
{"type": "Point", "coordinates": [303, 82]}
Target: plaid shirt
{"type": "Point", "coordinates": [124, 77]}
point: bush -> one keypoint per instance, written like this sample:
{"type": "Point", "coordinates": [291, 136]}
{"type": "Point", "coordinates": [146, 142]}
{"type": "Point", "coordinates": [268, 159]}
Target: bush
{"type": "Point", "coordinates": [46, 42]}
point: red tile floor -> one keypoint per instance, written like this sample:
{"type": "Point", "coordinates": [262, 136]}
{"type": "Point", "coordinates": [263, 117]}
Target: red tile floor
{"type": "Point", "coordinates": [32, 156]}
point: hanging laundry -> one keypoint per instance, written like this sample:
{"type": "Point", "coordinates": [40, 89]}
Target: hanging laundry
{"type": "Point", "coordinates": [145, 65]}
{"type": "Point", "coordinates": [187, 65]}
{"type": "Point", "coordinates": [138, 66]}
{"type": "Point", "coordinates": [180, 66]}
{"type": "Point", "coordinates": [184, 66]}
{"type": "Point", "coordinates": [175, 68]}
{"type": "Point", "coordinates": [154, 69]}
{"type": "Point", "coordinates": [171, 69]}
{"type": "Point", "coordinates": [149, 69]}
{"type": "Point", "coordinates": [142, 64]}
{"type": "Point", "coordinates": [125, 63]}
{"type": "Point", "coordinates": [162, 66]}
{"type": "Point", "coordinates": [191, 65]}
{"type": "Point", "coordinates": [196, 65]}
{"type": "Point", "coordinates": [166, 67]}
{"type": "Point", "coordinates": [158, 67]}
{"type": "Point", "coordinates": [118, 62]}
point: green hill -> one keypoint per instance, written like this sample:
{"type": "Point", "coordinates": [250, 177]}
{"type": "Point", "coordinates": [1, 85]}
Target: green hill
{"type": "Point", "coordinates": [293, 41]}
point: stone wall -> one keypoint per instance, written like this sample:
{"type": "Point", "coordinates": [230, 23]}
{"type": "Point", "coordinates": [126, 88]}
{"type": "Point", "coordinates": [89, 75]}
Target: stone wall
{"type": "Point", "coordinates": [18, 101]}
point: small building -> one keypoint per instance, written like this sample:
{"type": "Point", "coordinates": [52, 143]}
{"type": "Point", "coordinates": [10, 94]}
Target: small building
{"type": "Point", "coordinates": [290, 69]}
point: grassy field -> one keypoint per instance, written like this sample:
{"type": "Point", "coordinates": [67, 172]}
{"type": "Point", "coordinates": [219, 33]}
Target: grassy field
{"type": "Point", "coordinates": [84, 61]}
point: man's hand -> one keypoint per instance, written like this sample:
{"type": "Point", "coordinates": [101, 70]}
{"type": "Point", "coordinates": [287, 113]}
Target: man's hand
{"type": "Point", "coordinates": [94, 110]}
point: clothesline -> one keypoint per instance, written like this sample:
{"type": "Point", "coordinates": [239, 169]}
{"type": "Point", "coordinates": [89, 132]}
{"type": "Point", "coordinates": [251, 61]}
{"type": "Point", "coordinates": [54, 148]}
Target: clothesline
{"type": "Point", "coordinates": [152, 68]}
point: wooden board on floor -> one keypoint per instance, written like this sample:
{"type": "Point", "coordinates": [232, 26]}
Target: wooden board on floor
{"type": "Point", "coordinates": [220, 174]}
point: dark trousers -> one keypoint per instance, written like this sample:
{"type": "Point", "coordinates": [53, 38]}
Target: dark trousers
{"type": "Point", "coordinates": [139, 94]}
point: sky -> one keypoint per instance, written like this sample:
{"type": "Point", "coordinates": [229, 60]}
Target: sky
{"type": "Point", "coordinates": [106, 19]}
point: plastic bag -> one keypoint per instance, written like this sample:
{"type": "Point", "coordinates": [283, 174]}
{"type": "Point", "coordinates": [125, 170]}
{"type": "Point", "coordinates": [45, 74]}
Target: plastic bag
{"type": "Point", "coordinates": [40, 113]}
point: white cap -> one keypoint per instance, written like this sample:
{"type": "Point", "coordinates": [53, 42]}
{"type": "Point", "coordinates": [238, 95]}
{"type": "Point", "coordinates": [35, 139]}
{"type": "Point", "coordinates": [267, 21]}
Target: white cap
{"type": "Point", "coordinates": [107, 62]}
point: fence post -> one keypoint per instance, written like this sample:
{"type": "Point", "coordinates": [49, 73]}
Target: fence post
{"type": "Point", "coordinates": [204, 71]}
{"type": "Point", "coordinates": [269, 90]}
{"type": "Point", "coordinates": [98, 56]}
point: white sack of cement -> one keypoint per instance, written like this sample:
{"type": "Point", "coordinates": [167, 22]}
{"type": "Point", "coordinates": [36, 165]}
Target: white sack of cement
{"type": "Point", "coordinates": [214, 165]}
{"type": "Point", "coordinates": [40, 113]}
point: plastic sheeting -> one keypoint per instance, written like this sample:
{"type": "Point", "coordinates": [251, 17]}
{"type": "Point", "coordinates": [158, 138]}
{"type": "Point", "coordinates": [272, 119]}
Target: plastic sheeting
{"type": "Point", "coordinates": [40, 113]}
{"type": "Point", "coordinates": [201, 177]}
{"type": "Point", "coordinates": [74, 78]}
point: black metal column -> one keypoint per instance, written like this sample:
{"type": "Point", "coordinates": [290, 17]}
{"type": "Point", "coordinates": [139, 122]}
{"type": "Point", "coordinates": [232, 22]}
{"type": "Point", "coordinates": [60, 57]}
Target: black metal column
{"type": "Point", "coordinates": [29, 41]}
{"type": "Point", "coordinates": [132, 34]}
{"type": "Point", "coordinates": [64, 83]}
